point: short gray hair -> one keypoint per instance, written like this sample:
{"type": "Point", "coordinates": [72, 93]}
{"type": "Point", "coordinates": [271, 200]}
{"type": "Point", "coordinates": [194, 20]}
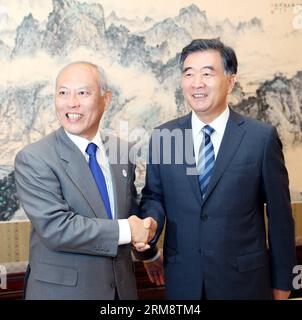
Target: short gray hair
{"type": "Point", "coordinates": [103, 83]}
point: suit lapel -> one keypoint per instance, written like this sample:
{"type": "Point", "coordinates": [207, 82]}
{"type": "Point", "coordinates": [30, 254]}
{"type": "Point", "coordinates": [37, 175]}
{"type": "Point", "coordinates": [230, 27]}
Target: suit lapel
{"type": "Point", "coordinates": [79, 172]}
{"type": "Point", "coordinates": [229, 145]}
{"type": "Point", "coordinates": [118, 162]}
{"type": "Point", "coordinates": [189, 159]}
{"type": "Point", "coordinates": [119, 187]}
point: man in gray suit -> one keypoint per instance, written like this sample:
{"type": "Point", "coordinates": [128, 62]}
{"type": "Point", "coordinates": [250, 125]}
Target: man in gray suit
{"type": "Point", "coordinates": [80, 245]}
{"type": "Point", "coordinates": [215, 244]}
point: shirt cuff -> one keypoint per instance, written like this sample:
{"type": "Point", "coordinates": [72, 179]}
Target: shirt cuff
{"type": "Point", "coordinates": [124, 231]}
{"type": "Point", "coordinates": [154, 258]}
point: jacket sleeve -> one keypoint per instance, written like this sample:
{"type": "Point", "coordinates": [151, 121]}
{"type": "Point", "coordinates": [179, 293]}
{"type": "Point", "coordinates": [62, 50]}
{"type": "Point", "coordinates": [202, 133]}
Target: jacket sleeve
{"type": "Point", "coordinates": [281, 233]}
{"type": "Point", "coordinates": [152, 202]}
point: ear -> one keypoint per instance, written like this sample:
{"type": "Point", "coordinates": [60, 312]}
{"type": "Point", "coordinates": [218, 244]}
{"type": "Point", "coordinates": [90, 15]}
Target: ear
{"type": "Point", "coordinates": [107, 96]}
{"type": "Point", "coordinates": [232, 80]}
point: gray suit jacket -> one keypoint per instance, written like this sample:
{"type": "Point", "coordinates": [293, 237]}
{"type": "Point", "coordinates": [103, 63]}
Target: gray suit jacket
{"type": "Point", "coordinates": [74, 252]}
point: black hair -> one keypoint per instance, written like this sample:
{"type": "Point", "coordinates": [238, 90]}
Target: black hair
{"type": "Point", "coordinates": [228, 55]}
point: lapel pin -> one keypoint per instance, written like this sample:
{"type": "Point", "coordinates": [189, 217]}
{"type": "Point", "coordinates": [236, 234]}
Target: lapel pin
{"type": "Point", "coordinates": [124, 173]}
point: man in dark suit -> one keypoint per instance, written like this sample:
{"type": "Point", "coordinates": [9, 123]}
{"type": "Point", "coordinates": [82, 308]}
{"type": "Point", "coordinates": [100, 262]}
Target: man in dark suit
{"type": "Point", "coordinates": [215, 244]}
{"type": "Point", "coordinates": [78, 191]}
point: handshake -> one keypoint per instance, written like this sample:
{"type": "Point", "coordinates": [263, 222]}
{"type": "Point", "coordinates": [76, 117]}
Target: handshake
{"type": "Point", "coordinates": [142, 231]}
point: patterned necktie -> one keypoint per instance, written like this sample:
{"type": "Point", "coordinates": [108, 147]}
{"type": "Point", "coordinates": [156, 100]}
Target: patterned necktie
{"type": "Point", "coordinates": [206, 159]}
{"type": "Point", "coordinates": [98, 176]}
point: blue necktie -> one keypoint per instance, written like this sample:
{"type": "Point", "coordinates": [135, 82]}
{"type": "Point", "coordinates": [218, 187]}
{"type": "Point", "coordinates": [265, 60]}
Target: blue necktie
{"type": "Point", "coordinates": [98, 176]}
{"type": "Point", "coordinates": [206, 159]}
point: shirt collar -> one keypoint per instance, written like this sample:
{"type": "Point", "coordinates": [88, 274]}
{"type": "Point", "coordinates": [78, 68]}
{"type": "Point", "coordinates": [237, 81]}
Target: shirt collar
{"type": "Point", "coordinates": [218, 124]}
{"type": "Point", "coordinates": [82, 143]}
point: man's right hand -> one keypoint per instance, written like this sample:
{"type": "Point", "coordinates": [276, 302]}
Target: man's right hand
{"type": "Point", "coordinates": [142, 230]}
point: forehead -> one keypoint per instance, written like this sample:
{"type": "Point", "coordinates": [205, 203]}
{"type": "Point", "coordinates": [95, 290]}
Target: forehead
{"type": "Point", "coordinates": [78, 75]}
{"type": "Point", "coordinates": [202, 59]}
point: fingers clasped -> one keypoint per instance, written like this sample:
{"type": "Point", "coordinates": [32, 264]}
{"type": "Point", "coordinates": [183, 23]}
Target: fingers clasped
{"type": "Point", "coordinates": [142, 232]}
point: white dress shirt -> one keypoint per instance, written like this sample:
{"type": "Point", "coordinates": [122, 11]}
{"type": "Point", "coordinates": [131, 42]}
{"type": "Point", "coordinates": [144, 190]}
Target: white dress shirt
{"type": "Point", "coordinates": [217, 124]}
{"type": "Point", "coordinates": [102, 159]}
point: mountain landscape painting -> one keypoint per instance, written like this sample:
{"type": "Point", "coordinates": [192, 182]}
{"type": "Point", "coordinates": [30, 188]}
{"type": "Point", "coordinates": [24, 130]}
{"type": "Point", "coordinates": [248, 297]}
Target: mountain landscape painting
{"type": "Point", "coordinates": [138, 44]}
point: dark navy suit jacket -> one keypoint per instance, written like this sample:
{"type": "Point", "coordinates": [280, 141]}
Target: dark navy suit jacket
{"type": "Point", "coordinates": [219, 243]}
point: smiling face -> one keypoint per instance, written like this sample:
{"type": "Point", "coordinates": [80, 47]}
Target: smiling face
{"type": "Point", "coordinates": [78, 100]}
{"type": "Point", "coordinates": [205, 84]}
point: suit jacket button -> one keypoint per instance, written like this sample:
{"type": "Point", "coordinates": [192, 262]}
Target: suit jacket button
{"type": "Point", "coordinates": [204, 217]}
{"type": "Point", "coordinates": [112, 284]}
